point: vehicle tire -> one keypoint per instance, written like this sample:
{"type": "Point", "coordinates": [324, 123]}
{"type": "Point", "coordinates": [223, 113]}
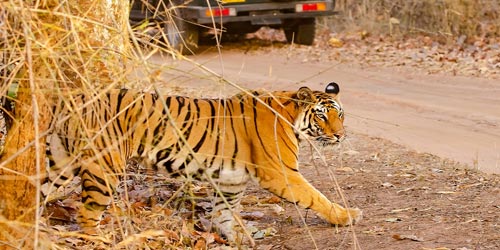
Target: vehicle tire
{"type": "Point", "coordinates": [182, 35]}
{"type": "Point", "coordinates": [301, 32]}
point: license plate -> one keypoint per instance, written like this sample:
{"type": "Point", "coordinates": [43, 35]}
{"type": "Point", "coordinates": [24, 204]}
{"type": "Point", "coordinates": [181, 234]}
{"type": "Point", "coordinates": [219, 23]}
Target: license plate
{"type": "Point", "coordinates": [233, 1]}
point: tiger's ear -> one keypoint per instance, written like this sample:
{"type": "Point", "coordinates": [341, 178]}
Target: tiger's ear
{"type": "Point", "coordinates": [305, 95]}
{"type": "Point", "coordinates": [332, 88]}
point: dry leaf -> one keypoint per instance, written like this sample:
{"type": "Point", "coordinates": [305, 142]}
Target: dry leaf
{"type": "Point", "coordinates": [273, 200]}
{"type": "Point", "coordinates": [407, 237]}
{"type": "Point", "coordinates": [249, 200]}
{"type": "Point", "coordinates": [443, 248]}
{"type": "Point", "coordinates": [446, 192]}
{"type": "Point", "coordinates": [400, 210]}
{"type": "Point", "coordinates": [387, 184]}
{"type": "Point", "coordinates": [350, 152]}
{"type": "Point", "coordinates": [201, 244]}
{"type": "Point", "coordinates": [393, 220]}
{"type": "Point", "coordinates": [345, 169]}
{"type": "Point", "coordinates": [219, 239]}
{"type": "Point", "coordinates": [394, 20]}
{"type": "Point", "coordinates": [335, 43]}
{"type": "Point", "coordinates": [171, 234]}
{"type": "Point", "coordinates": [255, 215]}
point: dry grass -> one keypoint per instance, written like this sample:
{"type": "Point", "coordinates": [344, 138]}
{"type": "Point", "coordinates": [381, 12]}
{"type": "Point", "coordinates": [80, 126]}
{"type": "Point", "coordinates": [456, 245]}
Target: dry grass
{"type": "Point", "coordinates": [447, 19]}
{"type": "Point", "coordinates": [54, 50]}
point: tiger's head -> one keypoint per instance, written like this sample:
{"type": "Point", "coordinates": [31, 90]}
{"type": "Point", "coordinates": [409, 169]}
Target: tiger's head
{"type": "Point", "coordinates": [322, 116]}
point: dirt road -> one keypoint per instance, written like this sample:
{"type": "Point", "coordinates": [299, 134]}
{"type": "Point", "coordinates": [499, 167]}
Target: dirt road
{"type": "Point", "coordinates": [452, 117]}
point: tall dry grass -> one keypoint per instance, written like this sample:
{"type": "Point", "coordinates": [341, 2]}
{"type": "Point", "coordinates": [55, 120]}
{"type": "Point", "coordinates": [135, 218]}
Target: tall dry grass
{"type": "Point", "coordinates": [446, 19]}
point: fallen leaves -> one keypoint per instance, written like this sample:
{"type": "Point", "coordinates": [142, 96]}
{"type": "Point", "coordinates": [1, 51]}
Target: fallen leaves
{"type": "Point", "coordinates": [273, 200]}
{"type": "Point", "coordinates": [407, 237]}
{"type": "Point", "coordinates": [393, 220]}
{"type": "Point", "coordinates": [335, 42]}
{"type": "Point", "coordinates": [444, 248]}
{"type": "Point", "coordinates": [345, 169]}
{"type": "Point", "coordinates": [446, 192]}
{"type": "Point", "coordinates": [255, 215]}
{"type": "Point", "coordinates": [387, 184]}
{"type": "Point", "coordinates": [401, 210]}
{"type": "Point", "coordinates": [142, 237]}
{"type": "Point", "coordinates": [479, 58]}
{"type": "Point", "coordinates": [260, 234]}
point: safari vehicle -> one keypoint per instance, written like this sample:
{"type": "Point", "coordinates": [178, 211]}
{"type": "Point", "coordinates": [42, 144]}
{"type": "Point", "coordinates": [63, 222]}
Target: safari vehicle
{"type": "Point", "coordinates": [184, 21]}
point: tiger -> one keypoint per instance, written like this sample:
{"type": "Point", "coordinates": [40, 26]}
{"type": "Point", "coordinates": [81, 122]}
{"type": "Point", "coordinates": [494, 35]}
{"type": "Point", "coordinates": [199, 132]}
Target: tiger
{"type": "Point", "coordinates": [227, 141]}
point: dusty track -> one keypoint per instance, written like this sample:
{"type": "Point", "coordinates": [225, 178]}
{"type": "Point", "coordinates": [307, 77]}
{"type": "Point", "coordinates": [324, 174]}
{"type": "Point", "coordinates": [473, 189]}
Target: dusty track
{"type": "Point", "coordinates": [450, 116]}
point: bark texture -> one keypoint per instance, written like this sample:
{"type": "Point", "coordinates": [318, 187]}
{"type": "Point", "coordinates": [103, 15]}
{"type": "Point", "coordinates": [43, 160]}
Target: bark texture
{"type": "Point", "coordinates": [49, 49]}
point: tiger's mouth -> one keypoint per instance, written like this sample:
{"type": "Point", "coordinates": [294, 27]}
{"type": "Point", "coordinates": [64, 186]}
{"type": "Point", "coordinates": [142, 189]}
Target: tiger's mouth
{"type": "Point", "coordinates": [329, 141]}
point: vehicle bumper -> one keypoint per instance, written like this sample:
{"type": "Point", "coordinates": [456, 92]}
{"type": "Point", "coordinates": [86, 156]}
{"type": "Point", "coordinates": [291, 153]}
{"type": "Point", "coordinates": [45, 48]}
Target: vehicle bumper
{"type": "Point", "coordinates": [262, 13]}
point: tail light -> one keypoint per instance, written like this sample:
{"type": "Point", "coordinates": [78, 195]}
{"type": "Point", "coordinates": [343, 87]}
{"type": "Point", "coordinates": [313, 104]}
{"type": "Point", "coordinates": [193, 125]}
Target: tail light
{"type": "Point", "coordinates": [304, 7]}
{"type": "Point", "coordinates": [220, 12]}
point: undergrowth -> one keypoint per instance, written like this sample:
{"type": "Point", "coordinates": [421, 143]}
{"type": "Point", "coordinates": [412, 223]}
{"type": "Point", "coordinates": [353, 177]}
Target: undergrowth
{"type": "Point", "coordinates": [443, 19]}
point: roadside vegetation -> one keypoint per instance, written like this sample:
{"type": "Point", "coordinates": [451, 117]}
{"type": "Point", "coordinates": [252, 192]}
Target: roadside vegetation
{"type": "Point", "coordinates": [444, 20]}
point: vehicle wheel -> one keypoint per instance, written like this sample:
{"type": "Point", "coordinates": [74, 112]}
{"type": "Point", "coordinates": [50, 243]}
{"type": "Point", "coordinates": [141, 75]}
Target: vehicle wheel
{"type": "Point", "coordinates": [302, 32]}
{"type": "Point", "coordinates": [182, 35]}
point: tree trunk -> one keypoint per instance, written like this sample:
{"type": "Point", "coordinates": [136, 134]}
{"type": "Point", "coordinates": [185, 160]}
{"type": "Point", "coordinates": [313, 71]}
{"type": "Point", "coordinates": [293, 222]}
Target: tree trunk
{"type": "Point", "coordinates": [46, 49]}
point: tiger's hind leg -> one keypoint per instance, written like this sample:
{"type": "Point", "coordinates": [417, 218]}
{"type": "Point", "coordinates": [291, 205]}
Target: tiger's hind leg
{"type": "Point", "coordinates": [62, 167]}
{"type": "Point", "coordinates": [231, 184]}
{"type": "Point", "coordinates": [97, 193]}
{"type": "Point", "coordinates": [225, 210]}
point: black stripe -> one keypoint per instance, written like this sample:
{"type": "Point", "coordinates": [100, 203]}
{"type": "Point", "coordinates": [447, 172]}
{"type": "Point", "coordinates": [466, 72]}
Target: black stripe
{"type": "Point", "coordinates": [189, 159]}
{"type": "Point", "coordinates": [256, 125]}
{"type": "Point", "coordinates": [181, 100]}
{"type": "Point", "coordinates": [158, 133]}
{"type": "Point", "coordinates": [283, 124]}
{"type": "Point", "coordinates": [120, 96]}
{"type": "Point", "coordinates": [243, 116]}
{"type": "Point", "coordinates": [212, 115]}
{"type": "Point", "coordinates": [163, 154]}
{"type": "Point", "coordinates": [211, 126]}
{"type": "Point", "coordinates": [235, 152]}
{"type": "Point", "coordinates": [93, 206]}
{"type": "Point", "coordinates": [197, 147]}
{"type": "Point", "coordinates": [76, 171]}
{"type": "Point", "coordinates": [96, 189]}
{"type": "Point", "coordinates": [140, 150]}
{"type": "Point", "coordinates": [269, 100]}
{"type": "Point", "coordinates": [168, 101]}
{"type": "Point", "coordinates": [168, 166]}
{"type": "Point", "coordinates": [188, 123]}
{"type": "Point", "coordinates": [196, 116]}
{"type": "Point", "coordinates": [91, 175]}
{"type": "Point", "coordinates": [217, 142]}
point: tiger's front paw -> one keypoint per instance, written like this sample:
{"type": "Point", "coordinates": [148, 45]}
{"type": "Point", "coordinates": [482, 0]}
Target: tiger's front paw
{"type": "Point", "coordinates": [345, 216]}
{"type": "Point", "coordinates": [353, 215]}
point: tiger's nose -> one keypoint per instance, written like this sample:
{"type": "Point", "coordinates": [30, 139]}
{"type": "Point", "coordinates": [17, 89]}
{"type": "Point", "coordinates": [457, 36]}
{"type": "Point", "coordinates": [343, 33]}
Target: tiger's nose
{"type": "Point", "coordinates": [340, 136]}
